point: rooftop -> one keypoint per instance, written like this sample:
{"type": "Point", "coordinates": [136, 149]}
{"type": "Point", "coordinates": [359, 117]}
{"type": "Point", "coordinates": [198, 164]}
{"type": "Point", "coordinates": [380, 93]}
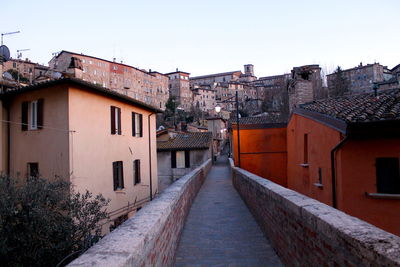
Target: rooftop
{"type": "Point", "coordinates": [360, 108]}
{"type": "Point", "coordinates": [84, 85]}
{"type": "Point", "coordinates": [186, 141]}
{"type": "Point", "coordinates": [215, 75]}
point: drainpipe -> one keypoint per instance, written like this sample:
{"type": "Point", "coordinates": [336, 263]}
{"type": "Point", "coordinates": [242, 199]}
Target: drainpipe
{"type": "Point", "coordinates": [333, 151]}
{"type": "Point", "coordinates": [8, 139]}
{"type": "Point", "coordinates": [151, 176]}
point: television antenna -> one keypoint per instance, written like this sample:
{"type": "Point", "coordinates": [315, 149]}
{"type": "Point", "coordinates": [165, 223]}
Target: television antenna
{"type": "Point", "coordinates": [7, 33]}
{"type": "Point", "coordinates": [19, 52]}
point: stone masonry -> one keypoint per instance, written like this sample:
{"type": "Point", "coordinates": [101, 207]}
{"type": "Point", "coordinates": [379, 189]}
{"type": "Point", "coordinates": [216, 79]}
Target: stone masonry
{"type": "Point", "coordinates": [151, 237]}
{"type": "Point", "coordinates": [305, 232]}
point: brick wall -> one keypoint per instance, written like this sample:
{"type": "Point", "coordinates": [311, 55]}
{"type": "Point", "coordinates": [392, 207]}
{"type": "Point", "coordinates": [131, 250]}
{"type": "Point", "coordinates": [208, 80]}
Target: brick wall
{"type": "Point", "coordinates": [306, 232]}
{"type": "Point", "coordinates": [149, 238]}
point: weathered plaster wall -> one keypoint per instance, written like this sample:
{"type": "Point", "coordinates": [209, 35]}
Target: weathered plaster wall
{"type": "Point", "coordinates": [151, 237]}
{"type": "Point", "coordinates": [305, 232]}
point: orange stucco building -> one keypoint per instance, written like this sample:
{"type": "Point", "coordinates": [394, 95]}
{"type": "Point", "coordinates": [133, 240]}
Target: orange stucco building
{"type": "Point", "coordinates": [345, 152]}
{"type": "Point", "coordinates": [95, 138]}
{"type": "Point", "coordinates": [262, 147]}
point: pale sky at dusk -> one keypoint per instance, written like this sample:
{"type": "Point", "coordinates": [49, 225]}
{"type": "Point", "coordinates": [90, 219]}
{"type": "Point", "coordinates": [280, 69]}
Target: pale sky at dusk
{"type": "Point", "coordinates": [203, 37]}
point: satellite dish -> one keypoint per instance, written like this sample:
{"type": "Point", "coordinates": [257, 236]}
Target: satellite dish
{"type": "Point", "coordinates": [4, 53]}
{"type": "Point", "coordinates": [7, 75]}
{"type": "Point", "coordinates": [56, 75]}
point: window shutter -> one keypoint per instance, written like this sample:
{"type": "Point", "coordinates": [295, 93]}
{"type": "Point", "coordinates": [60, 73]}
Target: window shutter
{"type": "Point", "coordinates": [119, 121]}
{"type": "Point", "coordinates": [112, 120]}
{"type": "Point", "coordinates": [115, 175]}
{"type": "Point", "coordinates": [141, 125]}
{"type": "Point", "coordinates": [138, 170]}
{"type": "Point", "coordinates": [388, 176]}
{"type": "Point", "coordinates": [40, 113]}
{"type": "Point", "coordinates": [187, 159]}
{"type": "Point", "coordinates": [173, 159]}
{"type": "Point", "coordinates": [133, 124]}
{"type": "Point", "coordinates": [122, 174]}
{"type": "Point", "coordinates": [24, 116]}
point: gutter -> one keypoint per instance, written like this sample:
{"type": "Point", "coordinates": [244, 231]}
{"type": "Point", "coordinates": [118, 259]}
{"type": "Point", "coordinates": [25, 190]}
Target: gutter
{"type": "Point", "coordinates": [333, 151]}
{"type": "Point", "coordinates": [150, 171]}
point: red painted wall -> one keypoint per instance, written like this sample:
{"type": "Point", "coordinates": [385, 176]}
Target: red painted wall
{"type": "Point", "coordinates": [355, 171]}
{"type": "Point", "coordinates": [357, 176]}
{"type": "Point", "coordinates": [263, 152]}
{"type": "Point", "coordinates": [321, 140]}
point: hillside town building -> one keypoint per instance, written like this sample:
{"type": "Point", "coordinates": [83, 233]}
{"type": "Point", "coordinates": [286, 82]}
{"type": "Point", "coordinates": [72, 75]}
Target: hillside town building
{"type": "Point", "coordinates": [179, 87]}
{"type": "Point", "coordinates": [361, 79]}
{"type": "Point", "coordinates": [150, 87]}
{"type": "Point", "coordinates": [95, 138]}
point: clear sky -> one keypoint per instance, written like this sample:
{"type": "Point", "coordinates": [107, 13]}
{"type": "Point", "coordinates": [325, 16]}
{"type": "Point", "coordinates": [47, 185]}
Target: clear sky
{"type": "Point", "coordinates": [203, 37]}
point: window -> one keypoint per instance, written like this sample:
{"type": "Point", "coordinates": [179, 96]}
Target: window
{"type": "Point", "coordinates": [137, 124]}
{"type": "Point", "coordinates": [180, 159]}
{"type": "Point", "coordinates": [136, 171]}
{"type": "Point", "coordinates": [33, 170]}
{"type": "Point", "coordinates": [305, 149]}
{"type": "Point", "coordinates": [118, 175]}
{"type": "Point", "coordinates": [32, 115]}
{"type": "Point", "coordinates": [115, 120]}
{"type": "Point", "coordinates": [387, 175]}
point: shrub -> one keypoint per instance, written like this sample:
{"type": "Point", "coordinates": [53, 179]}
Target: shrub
{"type": "Point", "coordinates": [42, 222]}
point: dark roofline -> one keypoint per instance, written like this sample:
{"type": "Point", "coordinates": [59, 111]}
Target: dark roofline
{"type": "Point", "coordinates": [85, 85]}
{"type": "Point", "coordinates": [326, 120]}
{"type": "Point", "coordinates": [271, 125]}
{"type": "Point", "coordinates": [180, 148]}
{"type": "Point", "coordinates": [109, 61]}
{"type": "Point", "coordinates": [273, 76]}
{"type": "Point", "coordinates": [177, 72]}
{"type": "Point", "coordinates": [214, 75]}
{"type": "Point", "coordinates": [398, 65]}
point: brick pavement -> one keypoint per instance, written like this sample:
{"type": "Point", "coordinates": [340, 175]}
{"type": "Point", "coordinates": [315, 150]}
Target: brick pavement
{"type": "Point", "coordinates": [220, 230]}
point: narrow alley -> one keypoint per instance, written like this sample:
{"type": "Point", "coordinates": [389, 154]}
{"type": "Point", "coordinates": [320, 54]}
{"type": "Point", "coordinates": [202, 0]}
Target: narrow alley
{"type": "Point", "coordinates": [220, 230]}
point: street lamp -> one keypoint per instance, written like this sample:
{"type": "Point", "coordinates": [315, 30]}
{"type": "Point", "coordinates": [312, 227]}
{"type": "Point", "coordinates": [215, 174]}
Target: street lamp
{"type": "Point", "coordinates": [236, 101]}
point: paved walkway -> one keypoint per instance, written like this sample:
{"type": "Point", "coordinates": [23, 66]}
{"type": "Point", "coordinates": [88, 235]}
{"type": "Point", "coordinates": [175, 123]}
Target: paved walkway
{"type": "Point", "coordinates": [220, 230]}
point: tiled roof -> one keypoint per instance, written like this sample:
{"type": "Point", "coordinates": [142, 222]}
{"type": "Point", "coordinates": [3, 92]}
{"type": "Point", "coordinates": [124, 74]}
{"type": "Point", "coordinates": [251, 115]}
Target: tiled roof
{"type": "Point", "coordinates": [360, 108]}
{"type": "Point", "coordinates": [215, 75]}
{"type": "Point", "coordinates": [84, 85]}
{"type": "Point", "coordinates": [189, 140]}
{"type": "Point", "coordinates": [265, 119]}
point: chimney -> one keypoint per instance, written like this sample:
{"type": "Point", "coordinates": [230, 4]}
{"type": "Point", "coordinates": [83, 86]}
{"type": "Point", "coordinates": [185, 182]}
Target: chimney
{"type": "Point", "coordinates": [176, 69]}
{"type": "Point", "coordinates": [114, 59]}
{"type": "Point", "coordinates": [149, 70]}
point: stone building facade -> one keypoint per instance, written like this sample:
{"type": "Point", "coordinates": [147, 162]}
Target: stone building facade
{"type": "Point", "coordinates": [204, 97]}
{"type": "Point", "coordinates": [304, 85]}
{"type": "Point", "coordinates": [149, 87]}
{"type": "Point", "coordinates": [29, 71]}
{"type": "Point", "coordinates": [360, 79]}
{"type": "Point", "coordinates": [179, 87]}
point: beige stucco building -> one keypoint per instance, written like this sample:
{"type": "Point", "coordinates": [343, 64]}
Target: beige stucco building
{"type": "Point", "coordinates": [95, 138]}
{"type": "Point", "coordinates": [150, 87]}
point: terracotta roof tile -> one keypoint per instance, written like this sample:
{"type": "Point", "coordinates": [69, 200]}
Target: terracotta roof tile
{"type": "Point", "coordinates": [189, 140]}
{"type": "Point", "coordinates": [360, 108]}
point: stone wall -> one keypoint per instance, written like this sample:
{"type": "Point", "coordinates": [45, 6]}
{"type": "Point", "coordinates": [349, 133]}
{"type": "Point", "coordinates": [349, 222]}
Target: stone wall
{"type": "Point", "coordinates": [151, 237]}
{"type": "Point", "coordinates": [306, 232]}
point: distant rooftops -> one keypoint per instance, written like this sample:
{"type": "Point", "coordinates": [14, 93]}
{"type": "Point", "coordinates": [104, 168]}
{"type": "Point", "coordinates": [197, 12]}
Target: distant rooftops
{"type": "Point", "coordinates": [85, 85]}
{"type": "Point", "coordinates": [217, 74]}
{"type": "Point", "coordinates": [186, 141]}
{"type": "Point", "coordinates": [109, 61]}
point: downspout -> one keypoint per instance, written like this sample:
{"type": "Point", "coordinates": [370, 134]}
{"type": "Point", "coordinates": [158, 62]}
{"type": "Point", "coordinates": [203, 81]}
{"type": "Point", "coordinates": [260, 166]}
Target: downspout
{"type": "Point", "coordinates": [333, 151]}
{"type": "Point", "coordinates": [8, 139]}
{"type": "Point", "coordinates": [151, 176]}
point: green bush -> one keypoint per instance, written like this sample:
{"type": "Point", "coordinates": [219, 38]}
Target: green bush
{"type": "Point", "coordinates": [42, 222]}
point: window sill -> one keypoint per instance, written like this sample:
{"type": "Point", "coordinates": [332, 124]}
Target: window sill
{"type": "Point", "coordinates": [321, 186]}
{"type": "Point", "coordinates": [304, 165]}
{"type": "Point", "coordinates": [382, 195]}
{"type": "Point", "coordinates": [120, 191]}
